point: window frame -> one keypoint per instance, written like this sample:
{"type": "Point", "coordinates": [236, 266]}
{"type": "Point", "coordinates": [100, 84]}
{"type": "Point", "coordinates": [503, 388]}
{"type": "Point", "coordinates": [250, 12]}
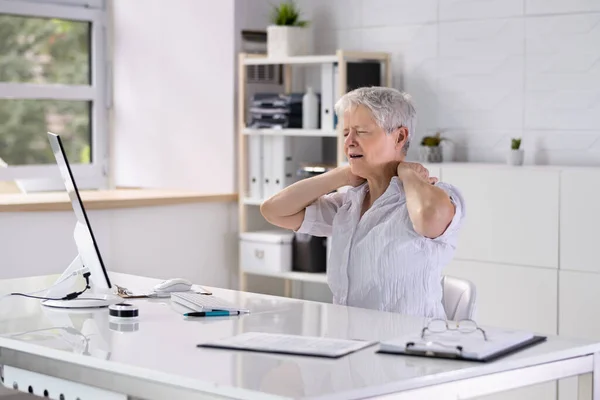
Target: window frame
{"type": "Point", "coordinates": [89, 176]}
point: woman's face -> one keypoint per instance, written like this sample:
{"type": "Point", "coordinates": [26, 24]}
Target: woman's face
{"type": "Point", "coordinates": [368, 147]}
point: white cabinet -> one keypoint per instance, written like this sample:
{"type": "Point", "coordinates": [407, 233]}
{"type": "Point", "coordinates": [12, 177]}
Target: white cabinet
{"type": "Point", "coordinates": [578, 307]}
{"type": "Point", "coordinates": [435, 170]}
{"type": "Point", "coordinates": [511, 214]}
{"type": "Point", "coordinates": [521, 225]}
{"type": "Point", "coordinates": [579, 219]}
{"type": "Point", "coordinates": [514, 297]}
{"type": "Point", "coordinates": [510, 296]}
{"type": "Point", "coordinates": [543, 391]}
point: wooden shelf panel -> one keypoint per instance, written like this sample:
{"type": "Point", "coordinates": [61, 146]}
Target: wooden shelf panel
{"type": "Point", "coordinates": [254, 60]}
{"type": "Point", "coordinates": [263, 59]}
{"type": "Point", "coordinates": [291, 132]}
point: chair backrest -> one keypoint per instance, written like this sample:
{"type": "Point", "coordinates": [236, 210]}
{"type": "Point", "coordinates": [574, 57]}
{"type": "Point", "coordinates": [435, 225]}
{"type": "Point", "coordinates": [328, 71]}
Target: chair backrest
{"type": "Point", "coordinates": [459, 297]}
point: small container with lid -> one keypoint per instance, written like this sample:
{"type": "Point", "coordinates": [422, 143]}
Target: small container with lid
{"type": "Point", "coordinates": [269, 251]}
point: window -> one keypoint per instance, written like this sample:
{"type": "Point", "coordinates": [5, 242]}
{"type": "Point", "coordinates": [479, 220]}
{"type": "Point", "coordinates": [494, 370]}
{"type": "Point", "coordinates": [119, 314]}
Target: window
{"type": "Point", "coordinates": [53, 78]}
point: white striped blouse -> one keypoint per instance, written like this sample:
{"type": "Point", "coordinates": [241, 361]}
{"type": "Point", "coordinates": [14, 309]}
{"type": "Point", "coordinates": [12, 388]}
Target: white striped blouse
{"type": "Point", "coordinates": [379, 261]}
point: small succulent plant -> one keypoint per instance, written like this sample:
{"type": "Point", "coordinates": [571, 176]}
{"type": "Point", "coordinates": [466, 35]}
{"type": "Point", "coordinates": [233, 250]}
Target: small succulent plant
{"type": "Point", "coordinates": [515, 143]}
{"type": "Point", "coordinates": [432, 141]}
{"type": "Point", "coordinates": [287, 14]}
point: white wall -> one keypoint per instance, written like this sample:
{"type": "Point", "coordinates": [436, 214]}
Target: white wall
{"type": "Point", "coordinates": [485, 71]}
{"type": "Point", "coordinates": [173, 90]}
{"type": "Point", "coordinates": [193, 241]}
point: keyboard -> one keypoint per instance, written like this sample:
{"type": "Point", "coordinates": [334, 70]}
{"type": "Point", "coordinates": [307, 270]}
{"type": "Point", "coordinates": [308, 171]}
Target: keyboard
{"type": "Point", "coordinates": [203, 302]}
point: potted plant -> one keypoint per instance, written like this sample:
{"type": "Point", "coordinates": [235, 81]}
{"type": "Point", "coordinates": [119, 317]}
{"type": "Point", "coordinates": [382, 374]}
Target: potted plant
{"type": "Point", "coordinates": [288, 35]}
{"type": "Point", "coordinates": [516, 154]}
{"type": "Point", "coordinates": [431, 151]}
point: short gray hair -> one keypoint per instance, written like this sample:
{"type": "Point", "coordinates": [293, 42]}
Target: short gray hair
{"type": "Point", "coordinates": [390, 107]}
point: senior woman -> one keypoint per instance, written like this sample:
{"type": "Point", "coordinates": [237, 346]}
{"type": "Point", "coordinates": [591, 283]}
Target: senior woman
{"type": "Point", "coordinates": [395, 229]}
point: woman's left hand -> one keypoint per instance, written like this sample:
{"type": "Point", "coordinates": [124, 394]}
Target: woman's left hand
{"type": "Point", "coordinates": [410, 167]}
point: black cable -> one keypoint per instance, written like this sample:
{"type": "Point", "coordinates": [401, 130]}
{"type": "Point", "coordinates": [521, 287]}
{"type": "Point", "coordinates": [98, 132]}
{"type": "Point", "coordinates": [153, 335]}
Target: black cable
{"type": "Point", "coordinates": [70, 296]}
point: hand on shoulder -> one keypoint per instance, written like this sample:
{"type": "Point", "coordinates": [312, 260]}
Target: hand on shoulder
{"type": "Point", "coordinates": [406, 167]}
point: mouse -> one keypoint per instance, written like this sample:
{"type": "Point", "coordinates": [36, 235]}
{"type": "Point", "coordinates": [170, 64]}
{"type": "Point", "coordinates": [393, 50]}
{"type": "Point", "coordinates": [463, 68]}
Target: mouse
{"type": "Point", "coordinates": [174, 285]}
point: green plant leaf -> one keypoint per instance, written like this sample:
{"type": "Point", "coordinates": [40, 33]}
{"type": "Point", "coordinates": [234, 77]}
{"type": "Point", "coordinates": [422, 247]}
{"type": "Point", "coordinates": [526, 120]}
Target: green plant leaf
{"type": "Point", "coordinates": [287, 14]}
{"type": "Point", "coordinates": [432, 141]}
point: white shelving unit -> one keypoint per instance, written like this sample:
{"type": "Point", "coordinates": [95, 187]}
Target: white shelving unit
{"type": "Point", "coordinates": [340, 58]}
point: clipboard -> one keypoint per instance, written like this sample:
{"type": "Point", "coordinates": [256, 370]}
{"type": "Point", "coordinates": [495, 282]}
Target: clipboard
{"type": "Point", "coordinates": [457, 354]}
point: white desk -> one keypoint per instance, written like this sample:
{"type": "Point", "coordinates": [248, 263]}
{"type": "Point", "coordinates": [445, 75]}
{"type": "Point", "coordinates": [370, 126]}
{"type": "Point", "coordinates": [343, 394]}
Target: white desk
{"type": "Point", "coordinates": [160, 359]}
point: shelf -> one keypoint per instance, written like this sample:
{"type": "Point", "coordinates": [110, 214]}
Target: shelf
{"type": "Point", "coordinates": [291, 132]}
{"type": "Point", "coordinates": [248, 133]}
{"type": "Point", "coordinates": [253, 202]}
{"type": "Point", "coordinates": [257, 60]}
{"type": "Point", "coordinates": [261, 59]}
{"type": "Point", "coordinates": [315, 277]}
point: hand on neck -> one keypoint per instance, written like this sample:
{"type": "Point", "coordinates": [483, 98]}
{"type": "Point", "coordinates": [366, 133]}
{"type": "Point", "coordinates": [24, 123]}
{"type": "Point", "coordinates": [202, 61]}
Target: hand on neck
{"type": "Point", "coordinates": [379, 180]}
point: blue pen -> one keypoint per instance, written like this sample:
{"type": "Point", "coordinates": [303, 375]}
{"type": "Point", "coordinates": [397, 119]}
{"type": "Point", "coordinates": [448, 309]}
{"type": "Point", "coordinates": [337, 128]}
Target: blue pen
{"type": "Point", "coordinates": [213, 313]}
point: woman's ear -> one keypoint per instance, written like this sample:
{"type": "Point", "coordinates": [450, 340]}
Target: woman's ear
{"type": "Point", "coordinates": [401, 136]}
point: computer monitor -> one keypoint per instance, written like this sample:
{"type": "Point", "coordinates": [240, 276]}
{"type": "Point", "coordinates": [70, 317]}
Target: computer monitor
{"type": "Point", "coordinates": [89, 258]}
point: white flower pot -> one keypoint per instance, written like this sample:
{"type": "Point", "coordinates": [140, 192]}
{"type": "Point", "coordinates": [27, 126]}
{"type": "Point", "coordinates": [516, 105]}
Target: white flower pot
{"type": "Point", "coordinates": [287, 41]}
{"type": "Point", "coordinates": [516, 157]}
{"type": "Point", "coordinates": [447, 150]}
{"type": "Point", "coordinates": [429, 154]}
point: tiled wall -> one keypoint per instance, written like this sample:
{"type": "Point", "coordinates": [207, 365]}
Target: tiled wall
{"type": "Point", "coordinates": [483, 71]}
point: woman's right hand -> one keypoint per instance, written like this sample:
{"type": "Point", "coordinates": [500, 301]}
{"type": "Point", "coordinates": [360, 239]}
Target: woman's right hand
{"type": "Point", "coordinates": [351, 179]}
{"type": "Point", "coordinates": [286, 209]}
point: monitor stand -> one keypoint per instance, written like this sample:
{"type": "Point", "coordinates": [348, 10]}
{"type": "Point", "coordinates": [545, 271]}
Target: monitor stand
{"type": "Point", "coordinates": [90, 325]}
{"type": "Point", "coordinates": [91, 298]}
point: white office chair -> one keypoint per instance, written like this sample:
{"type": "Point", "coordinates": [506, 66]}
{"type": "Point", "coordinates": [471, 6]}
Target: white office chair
{"type": "Point", "coordinates": [459, 297]}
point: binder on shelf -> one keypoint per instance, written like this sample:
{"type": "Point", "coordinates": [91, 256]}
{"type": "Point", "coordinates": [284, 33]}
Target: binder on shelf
{"type": "Point", "coordinates": [328, 96]}
{"type": "Point", "coordinates": [266, 166]}
{"type": "Point", "coordinates": [255, 168]}
{"type": "Point", "coordinates": [336, 94]}
{"type": "Point", "coordinates": [358, 74]}
{"type": "Point", "coordinates": [282, 163]}
{"type": "Point", "coordinates": [282, 156]}
{"type": "Point", "coordinates": [361, 74]}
